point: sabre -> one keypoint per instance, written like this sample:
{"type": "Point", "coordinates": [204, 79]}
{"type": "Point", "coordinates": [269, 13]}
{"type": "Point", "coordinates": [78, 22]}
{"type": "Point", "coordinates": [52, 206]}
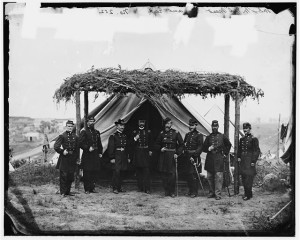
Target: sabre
{"type": "Point", "coordinates": [193, 162]}
{"type": "Point", "coordinates": [176, 173]}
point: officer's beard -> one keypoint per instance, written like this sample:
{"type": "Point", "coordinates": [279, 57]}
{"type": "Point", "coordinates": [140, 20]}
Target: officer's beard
{"type": "Point", "coordinates": [92, 126]}
{"type": "Point", "coordinates": [214, 130]}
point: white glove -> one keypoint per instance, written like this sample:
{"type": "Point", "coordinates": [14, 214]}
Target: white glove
{"type": "Point", "coordinates": [91, 149]}
{"type": "Point", "coordinates": [211, 148]}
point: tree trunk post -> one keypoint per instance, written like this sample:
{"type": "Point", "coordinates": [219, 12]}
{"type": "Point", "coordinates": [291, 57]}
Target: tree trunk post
{"type": "Point", "coordinates": [78, 125]}
{"type": "Point", "coordinates": [86, 108]}
{"type": "Point", "coordinates": [236, 142]}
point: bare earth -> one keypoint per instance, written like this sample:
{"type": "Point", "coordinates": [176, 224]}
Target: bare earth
{"type": "Point", "coordinates": [41, 208]}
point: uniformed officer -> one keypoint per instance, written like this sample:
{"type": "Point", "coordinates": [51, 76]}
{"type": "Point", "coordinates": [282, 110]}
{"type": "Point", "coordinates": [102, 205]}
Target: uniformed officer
{"type": "Point", "coordinates": [217, 147]}
{"type": "Point", "coordinates": [248, 153]}
{"type": "Point", "coordinates": [67, 147]}
{"type": "Point", "coordinates": [90, 143]}
{"type": "Point", "coordinates": [142, 152]}
{"type": "Point", "coordinates": [119, 155]}
{"type": "Point", "coordinates": [193, 143]}
{"type": "Point", "coordinates": [170, 144]}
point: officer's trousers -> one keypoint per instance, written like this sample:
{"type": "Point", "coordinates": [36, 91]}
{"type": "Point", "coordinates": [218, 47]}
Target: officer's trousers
{"type": "Point", "coordinates": [247, 183]}
{"type": "Point", "coordinates": [117, 180]}
{"type": "Point", "coordinates": [65, 181]}
{"type": "Point", "coordinates": [169, 182]}
{"type": "Point", "coordinates": [143, 178]}
{"type": "Point", "coordinates": [215, 181]}
{"type": "Point", "coordinates": [192, 182]}
{"type": "Point", "coordinates": [89, 180]}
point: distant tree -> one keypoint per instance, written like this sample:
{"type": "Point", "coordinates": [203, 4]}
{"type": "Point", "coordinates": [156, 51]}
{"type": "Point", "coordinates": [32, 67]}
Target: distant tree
{"type": "Point", "coordinates": [54, 125]}
{"type": "Point", "coordinates": [44, 125]}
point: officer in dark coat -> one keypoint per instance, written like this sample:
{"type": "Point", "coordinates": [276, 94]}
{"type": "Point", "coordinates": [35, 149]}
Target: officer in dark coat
{"type": "Point", "coordinates": [143, 144]}
{"type": "Point", "coordinates": [248, 153]}
{"type": "Point", "coordinates": [217, 147]}
{"type": "Point", "coordinates": [170, 144]}
{"type": "Point", "coordinates": [193, 143]}
{"type": "Point", "coordinates": [119, 155]}
{"type": "Point", "coordinates": [90, 143]}
{"type": "Point", "coordinates": [67, 147]}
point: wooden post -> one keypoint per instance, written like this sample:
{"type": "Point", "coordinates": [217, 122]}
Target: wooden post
{"type": "Point", "coordinates": [226, 115]}
{"type": "Point", "coordinates": [278, 144]}
{"type": "Point", "coordinates": [236, 142]}
{"type": "Point", "coordinates": [227, 179]}
{"type": "Point", "coordinates": [78, 125]}
{"type": "Point", "coordinates": [86, 107]}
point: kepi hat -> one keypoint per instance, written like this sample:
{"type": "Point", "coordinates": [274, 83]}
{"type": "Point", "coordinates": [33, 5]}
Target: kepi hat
{"type": "Point", "coordinates": [214, 123]}
{"type": "Point", "coordinates": [69, 122]}
{"type": "Point", "coordinates": [120, 121]}
{"type": "Point", "coordinates": [246, 125]}
{"type": "Point", "coordinates": [193, 121]}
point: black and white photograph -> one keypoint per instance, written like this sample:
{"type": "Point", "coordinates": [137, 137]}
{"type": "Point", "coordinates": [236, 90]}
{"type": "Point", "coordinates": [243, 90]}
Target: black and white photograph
{"type": "Point", "coordinates": [149, 119]}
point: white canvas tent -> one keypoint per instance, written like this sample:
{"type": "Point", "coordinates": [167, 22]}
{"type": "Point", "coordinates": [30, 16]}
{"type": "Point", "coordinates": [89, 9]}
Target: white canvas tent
{"type": "Point", "coordinates": [131, 108]}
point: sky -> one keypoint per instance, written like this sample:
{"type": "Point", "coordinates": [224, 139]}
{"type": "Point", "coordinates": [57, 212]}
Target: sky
{"type": "Point", "coordinates": [49, 45]}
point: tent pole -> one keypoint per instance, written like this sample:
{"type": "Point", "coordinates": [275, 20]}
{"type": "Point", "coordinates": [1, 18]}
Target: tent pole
{"type": "Point", "coordinates": [236, 141]}
{"type": "Point", "coordinates": [86, 107]}
{"type": "Point", "coordinates": [78, 125]}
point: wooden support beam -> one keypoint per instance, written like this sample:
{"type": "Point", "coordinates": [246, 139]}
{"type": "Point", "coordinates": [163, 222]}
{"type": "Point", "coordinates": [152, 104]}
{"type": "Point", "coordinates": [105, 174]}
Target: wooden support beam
{"type": "Point", "coordinates": [78, 126]}
{"type": "Point", "coordinates": [278, 140]}
{"type": "Point", "coordinates": [227, 179]}
{"type": "Point", "coordinates": [226, 115]}
{"type": "Point", "coordinates": [86, 107]}
{"type": "Point", "coordinates": [236, 143]}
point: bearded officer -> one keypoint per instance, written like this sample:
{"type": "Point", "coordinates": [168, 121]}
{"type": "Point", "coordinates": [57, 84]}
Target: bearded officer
{"type": "Point", "coordinates": [90, 143]}
{"type": "Point", "coordinates": [217, 147]}
{"type": "Point", "coordinates": [67, 147]}
{"type": "Point", "coordinates": [193, 143]}
{"type": "Point", "coordinates": [142, 153]}
{"type": "Point", "coordinates": [119, 155]}
{"type": "Point", "coordinates": [248, 153]}
{"type": "Point", "coordinates": [170, 144]}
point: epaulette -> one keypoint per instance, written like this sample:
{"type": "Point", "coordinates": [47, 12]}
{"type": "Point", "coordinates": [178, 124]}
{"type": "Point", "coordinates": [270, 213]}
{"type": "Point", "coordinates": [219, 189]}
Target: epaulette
{"type": "Point", "coordinates": [82, 130]}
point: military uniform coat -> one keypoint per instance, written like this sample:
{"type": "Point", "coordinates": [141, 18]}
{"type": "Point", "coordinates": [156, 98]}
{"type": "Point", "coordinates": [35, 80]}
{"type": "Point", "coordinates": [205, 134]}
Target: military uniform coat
{"type": "Point", "coordinates": [171, 140]}
{"type": "Point", "coordinates": [69, 141]}
{"type": "Point", "coordinates": [142, 147]}
{"type": "Point", "coordinates": [193, 143]}
{"type": "Point", "coordinates": [248, 151]}
{"type": "Point", "coordinates": [119, 149]}
{"type": "Point", "coordinates": [90, 161]}
{"type": "Point", "coordinates": [215, 159]}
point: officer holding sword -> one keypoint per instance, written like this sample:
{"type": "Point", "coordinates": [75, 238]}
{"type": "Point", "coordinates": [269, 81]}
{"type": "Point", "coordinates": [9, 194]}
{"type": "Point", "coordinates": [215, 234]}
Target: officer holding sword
{"type": "Point", "coordinates": [193, 143]}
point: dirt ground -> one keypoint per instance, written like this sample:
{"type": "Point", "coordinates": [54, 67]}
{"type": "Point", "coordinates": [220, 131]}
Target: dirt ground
{"type": "Point", "coordinates": [40, 209]}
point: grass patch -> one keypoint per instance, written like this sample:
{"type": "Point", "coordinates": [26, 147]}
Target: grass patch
{"type": "Point", "coordinates": [32, 174]}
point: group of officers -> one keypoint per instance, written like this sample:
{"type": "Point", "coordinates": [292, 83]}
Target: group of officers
{"type": "Point", "coordinates": [139, 148]}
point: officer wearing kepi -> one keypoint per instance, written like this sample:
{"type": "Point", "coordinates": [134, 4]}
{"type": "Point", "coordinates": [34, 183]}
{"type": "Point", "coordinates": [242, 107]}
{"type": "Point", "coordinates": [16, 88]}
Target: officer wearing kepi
{"type": "Point", "coordinates": [67, 147]}
{"type": "Point", "coordinates": [90, 143]}
{"type": "Point", "coordinates": [119, 153]}
{"type": "Point", "coordinates": [170, 144]}
{"type": "Point", "coordinates": [142, 152]}
{"type": "Point", "coordinates": [193, 143]}
{"type": "Point", "coordinates": [248, 153]}
{"type": "Point", "coordinates": [217, 147]}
